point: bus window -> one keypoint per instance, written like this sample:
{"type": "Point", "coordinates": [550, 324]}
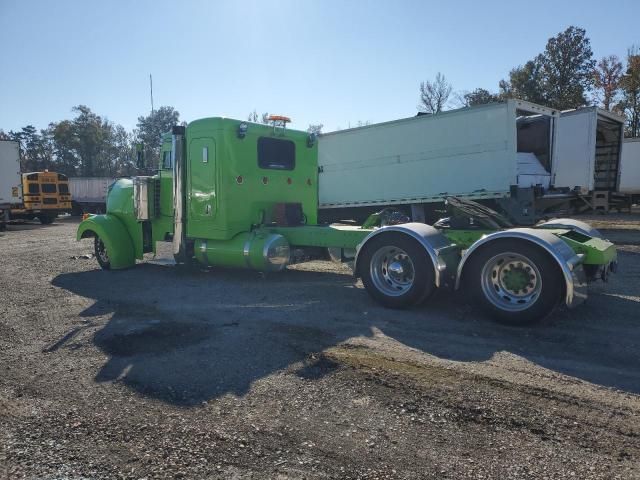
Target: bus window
{"type": "Point", "coordinates": [48, 188]}
{"type": "Point", "coordinates": [63, 188]}
{"type": "Point", "coordinates": [34, 188]}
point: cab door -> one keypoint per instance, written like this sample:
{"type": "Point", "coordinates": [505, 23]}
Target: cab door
{"type": "Point", "coordinates": [202, 191]}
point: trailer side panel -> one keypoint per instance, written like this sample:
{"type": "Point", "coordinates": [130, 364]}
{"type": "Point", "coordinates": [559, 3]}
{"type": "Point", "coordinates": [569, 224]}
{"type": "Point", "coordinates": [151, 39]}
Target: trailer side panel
{"type": "Point", "coordinates": [468, 153]}
{"type": "Point", "coordinates": [630, 167]}
{"type": "Point", "coordinates": [9, 173]}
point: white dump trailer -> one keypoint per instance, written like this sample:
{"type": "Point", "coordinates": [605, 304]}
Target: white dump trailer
{"type": "Point", "coordinates": [89, 194]}
{"type": "Point", "coordinates": [589, 147]}
{"type": "Point", "coordinates": [630, 167]}
{"type": "Point", "coordinates": [476, 153]}
{"type": "Point", "coordinates": [10, 191]}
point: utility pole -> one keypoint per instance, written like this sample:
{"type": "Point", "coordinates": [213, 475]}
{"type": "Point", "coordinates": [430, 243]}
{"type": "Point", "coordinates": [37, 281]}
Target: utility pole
{"type": "Point", "coordinates": [151, 86]}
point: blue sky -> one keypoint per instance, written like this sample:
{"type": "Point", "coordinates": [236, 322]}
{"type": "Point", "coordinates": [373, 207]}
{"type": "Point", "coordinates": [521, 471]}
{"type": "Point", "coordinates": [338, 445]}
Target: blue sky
{"type": "Point", "coordinates": [329, 62]}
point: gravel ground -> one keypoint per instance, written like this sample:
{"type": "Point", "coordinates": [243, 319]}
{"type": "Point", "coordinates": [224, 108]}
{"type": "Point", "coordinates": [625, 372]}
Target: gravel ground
{"type": "Point", "coordinates": [157, 372]}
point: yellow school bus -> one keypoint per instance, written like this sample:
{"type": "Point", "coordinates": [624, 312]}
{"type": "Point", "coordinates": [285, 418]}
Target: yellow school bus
{"type": "Point", "coordinates": [45, 195]}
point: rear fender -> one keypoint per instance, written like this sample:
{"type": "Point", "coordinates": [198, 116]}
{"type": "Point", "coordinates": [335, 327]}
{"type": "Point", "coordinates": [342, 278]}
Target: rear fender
{"type": "Point", "coordinates": [571, 224]}
{"type": "Point", "coordinates": [115, 237]}
{"type": "Point", "coordinates": [443, 254]}
{"type": "Point", "coordinates": [569, 263]}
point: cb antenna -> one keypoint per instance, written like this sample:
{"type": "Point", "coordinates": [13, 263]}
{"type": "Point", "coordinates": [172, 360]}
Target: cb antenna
{"type": "Point", "coordinates": [151, 88]}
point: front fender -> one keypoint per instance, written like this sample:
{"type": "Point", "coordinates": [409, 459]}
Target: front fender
{"type": "Point", "coordinates": [566, 259]}
{"type": "Point", "coordinates": [115, 237]}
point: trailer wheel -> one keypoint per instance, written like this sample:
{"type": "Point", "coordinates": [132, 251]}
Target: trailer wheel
{"type": "Point", "coordinates": [101, 253]}
{"type": "Point", "coordinates": [514, 282]}
{"type": "Point", "coordinates": [396, 271]}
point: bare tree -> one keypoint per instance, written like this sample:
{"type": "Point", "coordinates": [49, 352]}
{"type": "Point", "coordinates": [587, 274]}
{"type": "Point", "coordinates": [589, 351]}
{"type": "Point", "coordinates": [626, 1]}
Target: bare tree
{"type": "Point", "coordinates": [434, 94]}
{"type": "Point", "coordinates": [315, 128]}
{"type": "Point", "coordinates": [606, 81]}
{"type": "Point", "coordinates": [253, 116]}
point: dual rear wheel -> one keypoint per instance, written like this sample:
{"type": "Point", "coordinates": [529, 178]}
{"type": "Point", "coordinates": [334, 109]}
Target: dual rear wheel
{"type": "Point", "coordinates": [513, 281]}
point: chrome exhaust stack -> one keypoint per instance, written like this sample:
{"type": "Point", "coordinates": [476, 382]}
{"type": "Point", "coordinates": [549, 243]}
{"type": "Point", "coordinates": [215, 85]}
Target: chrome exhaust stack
{"type": "Point", "coordinates": [178, 154]}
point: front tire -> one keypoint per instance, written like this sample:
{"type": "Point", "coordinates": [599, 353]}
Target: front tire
{"type": "Point", "coordinates": [514, 282]}
{"type": "Point", "coordinates": [101, 253]}
{"type": "Point", "coordinates": [396, 271]}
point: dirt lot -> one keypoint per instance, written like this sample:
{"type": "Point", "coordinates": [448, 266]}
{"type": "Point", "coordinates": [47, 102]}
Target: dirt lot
{"type": "Point", "coordinates": [155, 372]}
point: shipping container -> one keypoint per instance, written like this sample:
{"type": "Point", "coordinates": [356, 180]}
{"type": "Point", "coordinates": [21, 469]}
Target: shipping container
{"type": "Point", "coordinates": [10, 191]}
{"type": "Point", "coordinates": [630, 167]}
{"type": "Point", "coordinates": [589, 147]}
{"type": "Point", "coordinates": [475, 153]}
{"type": "Point", "coordinates": [89, 194]}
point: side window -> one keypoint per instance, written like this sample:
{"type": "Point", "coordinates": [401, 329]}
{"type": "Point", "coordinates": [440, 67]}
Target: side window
{"type": "Point", "coordinates": [34, 188]}
{"type": "Point", "coordinates": [166, 160]}
{"type": "Point", "coordinates": [276, 153]}
{"type": "Point", "coordinates": [63, 188]}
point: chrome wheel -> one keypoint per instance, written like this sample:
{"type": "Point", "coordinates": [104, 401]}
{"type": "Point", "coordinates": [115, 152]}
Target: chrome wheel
{"type": "Point", "coordinates": [101, 251]}
{"type": "Point", "coordinates": [511, 282]}
{"type": "Point", "coordinates": [392, 270]}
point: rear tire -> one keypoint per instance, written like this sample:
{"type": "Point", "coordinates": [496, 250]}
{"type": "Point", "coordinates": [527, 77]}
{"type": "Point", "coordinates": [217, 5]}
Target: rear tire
{"type": "Point", "coordinates": [396, 271]}
{"type": "Point", "coordinates": [514, 282]}
{"type": "Point", "coordinates": [46, 219]}
{"type": "Point", "coordinates": [101, 253]}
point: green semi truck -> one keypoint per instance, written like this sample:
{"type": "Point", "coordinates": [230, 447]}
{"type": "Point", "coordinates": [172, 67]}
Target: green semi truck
{"type": "Point", "coordinates": [230, 193]}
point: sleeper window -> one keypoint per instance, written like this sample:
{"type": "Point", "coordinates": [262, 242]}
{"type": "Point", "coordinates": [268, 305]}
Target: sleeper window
{"type": "Point", "coordinates": [276, 153]}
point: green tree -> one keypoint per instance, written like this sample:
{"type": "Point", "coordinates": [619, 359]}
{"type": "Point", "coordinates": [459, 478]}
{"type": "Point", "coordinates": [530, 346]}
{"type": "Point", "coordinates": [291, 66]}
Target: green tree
{"type": "Point", "coordinates": [89, 140]}
{"type": "Point", "coordinates": [89, 145]}
{"type": "Point", "coordinates": [606, 81]}
{"type": "Point", "coordinates": [150, 131]}
{"type": "Point", "coordinates": [36, 148]}
{"type": "Point", "coordinates": [630, 88]}
{"type": "Point", "coordinates": [560, 76]}
{"type": "Point", "coordinates": [122, 152]}
{"type": "Point", "coordinates": [568, 68]}
{"type": "Point", "coordinates": [479, 96]}
{"type": "Point", "coordinates": [525, 82]}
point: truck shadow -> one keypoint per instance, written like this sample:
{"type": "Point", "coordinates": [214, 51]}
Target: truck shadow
{"type": "Point", "coordinates": [186, 336]}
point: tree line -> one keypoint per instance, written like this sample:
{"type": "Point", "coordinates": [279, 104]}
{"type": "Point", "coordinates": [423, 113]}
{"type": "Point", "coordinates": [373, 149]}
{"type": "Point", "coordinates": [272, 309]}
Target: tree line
{"type": "Point", "coordinates": [564, 76]}
{"type": "Point", "coordinates": [90, 145]}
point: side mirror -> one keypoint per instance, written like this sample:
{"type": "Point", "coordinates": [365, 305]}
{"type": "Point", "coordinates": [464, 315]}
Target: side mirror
{"type": "Point", "coordinates": [140, 156]}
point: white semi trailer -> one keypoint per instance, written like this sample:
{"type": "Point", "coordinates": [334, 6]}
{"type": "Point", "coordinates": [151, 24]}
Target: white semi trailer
{"type": "Point", "coordinates": [9, 179]}
{"type": "Point", "coordinates": [502, 152]}
{"type": "Point", "coordinates": [630, 167]}
{"type": "Point", "coordinates": [89, 194]}
{"type": "Point", "coordinates": [588, 154]}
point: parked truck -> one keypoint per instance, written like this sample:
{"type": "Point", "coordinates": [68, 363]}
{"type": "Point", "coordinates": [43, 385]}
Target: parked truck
{"type": "Point", "coordinates": [9, 179]}
{"type": "Point", "coordinates": [89, 194]}
{"type": "Point", "coordinates": [630, 168]}
{"type": "Point", "coordinates": [238, 194]}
